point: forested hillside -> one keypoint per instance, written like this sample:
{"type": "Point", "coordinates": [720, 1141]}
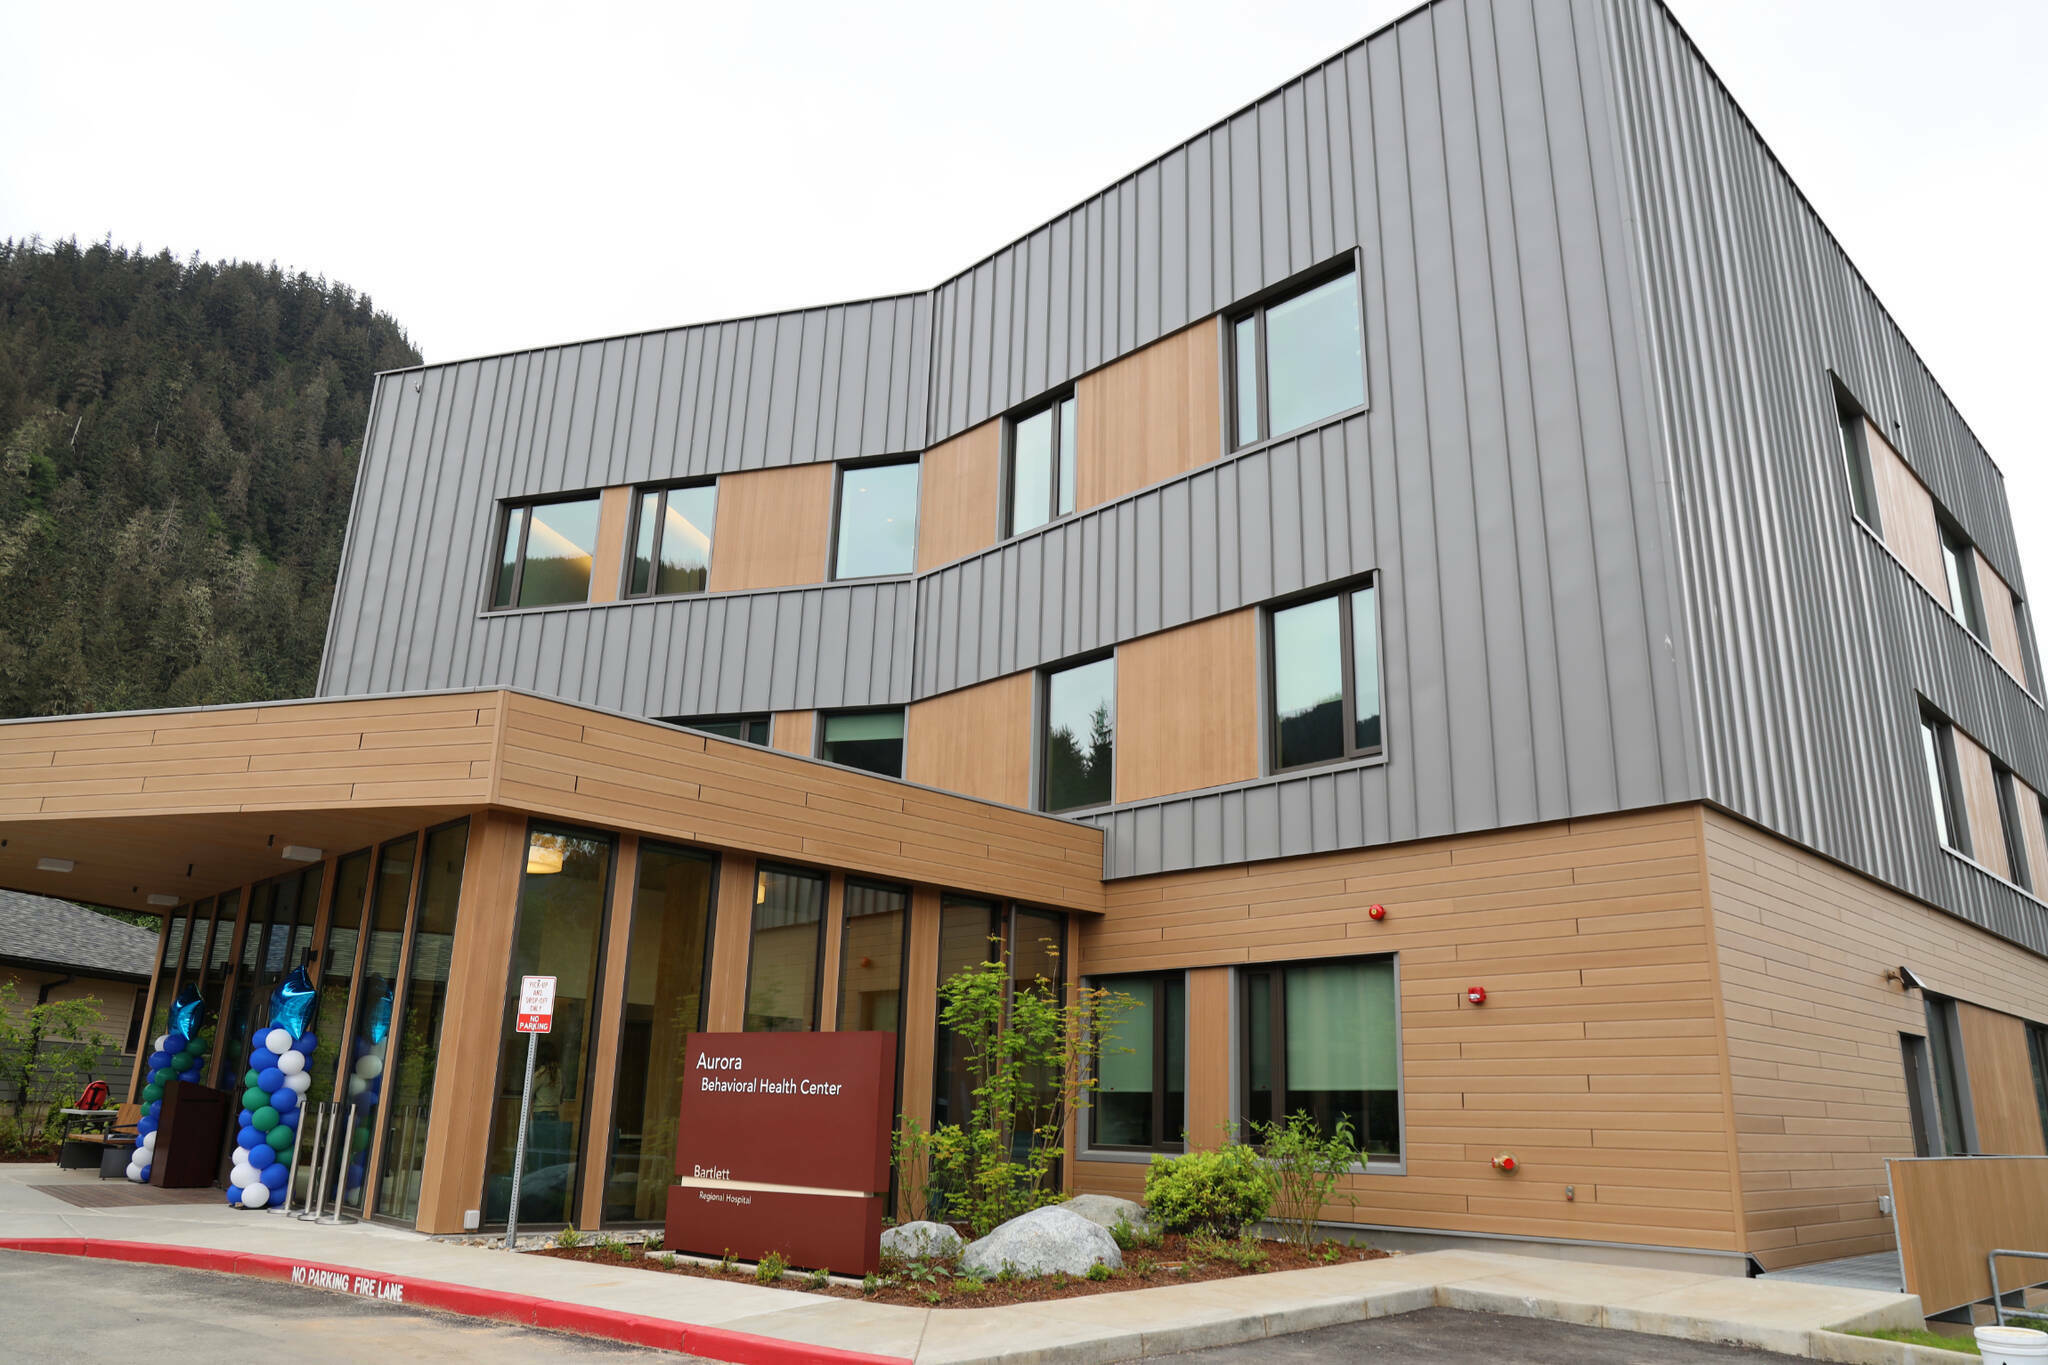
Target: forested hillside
{"type": "Point", "coordinates": [178, 444]}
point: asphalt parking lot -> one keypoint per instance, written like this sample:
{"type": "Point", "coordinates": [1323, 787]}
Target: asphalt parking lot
{"type": "Point", "coordinates": [1446, 1335]}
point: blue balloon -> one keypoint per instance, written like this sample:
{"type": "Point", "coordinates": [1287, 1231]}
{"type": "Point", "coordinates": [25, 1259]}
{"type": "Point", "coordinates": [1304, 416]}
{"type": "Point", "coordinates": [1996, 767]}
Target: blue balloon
{"type": "Point", "coordinates": [191, 1075]}
{"type": "Point", "coordinates": [248, 1139]}
{"type": "Point", "coordinates": [292, 1002]}
{"type": "Point", "coordinates": [285, 1100]}
{"type": "Point", "coordinates": [276, 1176]}
{"type": "Point", "coordinates": [175, 1042]}
{"type": "Point", "coordinates": [188, 1015]}
{"type": "Point", "coordinates": [263, 1059]}
{"type": "Point", "coordinates": [144, 1126]}
{"type": "Point", "coordinates": [378, 992]}
{"type": "Point", "coordinates": [261, 1155]}
{"type": "Point", "coordinates": [245, 1120]}
{"type": "Point", "coordinates": [306, 1045]}
{"type": "Point", "coordinates": [158, 1059]}
{"type": "Point", "coordinates": [269, 1079]}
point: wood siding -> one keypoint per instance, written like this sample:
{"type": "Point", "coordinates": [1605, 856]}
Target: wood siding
{"type": "Point", "coordinates": [1155, 413]}
{"type": "Point", "coordinates": [1907, 510]}
{"type": "Point", "coordinates": [2034, 826]}
{"type": "Point", "coordinates": [1980, 805]}
{"type": "Point", "coordinates": [959, 496]}
{"type": "Point", "coordinates": [1187, 708]}
{"type": "Point", "coordinates": [2007, 1109]}
{"type": "Point", "coordinates": [1813, 1032]}
{"type": "Point", "coordinates": [1597, 1058]}
{"type": "Point", "coordinates": [1953, 1211]}
{"type": "Point", "coordinates": [976, 741]}
{"type": "Point", "coordinates": [2001, 619]}
{"type": "Point", "coordinates": [608, 562]}
{"type": "Point", "coordinates": [772, 528]}
{"type": "Point", "coordinates": [794, 732]}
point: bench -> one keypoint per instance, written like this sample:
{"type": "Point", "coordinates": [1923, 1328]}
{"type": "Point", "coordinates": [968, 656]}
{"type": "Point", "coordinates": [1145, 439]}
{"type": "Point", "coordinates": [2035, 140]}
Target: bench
{"type": "Point", "coordinates": [108, 1148]}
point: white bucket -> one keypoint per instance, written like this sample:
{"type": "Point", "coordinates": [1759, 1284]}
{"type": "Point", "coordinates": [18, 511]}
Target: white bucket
{"type": "Point", "coordinates": [2012, 1345]}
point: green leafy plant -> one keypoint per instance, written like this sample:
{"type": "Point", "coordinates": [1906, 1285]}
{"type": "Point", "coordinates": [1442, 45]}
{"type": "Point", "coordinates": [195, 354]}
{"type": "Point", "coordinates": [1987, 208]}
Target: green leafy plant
{"type": "Point", "coordinates": [770, 1268]}
{"type": "Point", "coordinates": [1028, 1049]}
{"type": "Point", "coordinates": [728, 1262]}
{"type": "Point", "coordinates": [1099, 1271]}
{"type": "Point", "coordinates": [1331, 1253]}
{"type": "Point", "coordinates": [819, 1278]}
{"type": "Point", "coordinates": [1243, 1252]}
{"type": "Point", "coordinates": [922, 1272]}
{"type": "Point", "coordinates": [934, 1297]}
{"type": "Point", "coordinates": [1307, 1165]}
{"type": "Point", "coordinates": [48, 1051]}
{"type": "Point", "coordinates": [568, 1238]}
{"type": "Point", "coordinates": [652, 1242]}
{"type": "Point", "coordinates": [1129, 1238]}
{"type": "Point", "coordinates": [1218, 1192]}
{"type": "Point", "coordinates": [871, 1283]}
{"type": "Point", "coordinates": [612, 1245]}
{"type": "Point", "coordinates": [970, 1284]}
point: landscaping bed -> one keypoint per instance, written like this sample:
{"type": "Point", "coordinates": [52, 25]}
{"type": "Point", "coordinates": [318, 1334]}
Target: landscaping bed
{"type": "Point", "coordinates": [1176, 1260]}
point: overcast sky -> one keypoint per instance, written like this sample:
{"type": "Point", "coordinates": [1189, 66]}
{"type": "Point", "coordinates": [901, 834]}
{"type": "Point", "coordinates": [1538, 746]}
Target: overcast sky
{"type": "Point", "coordinates": [504, 176]}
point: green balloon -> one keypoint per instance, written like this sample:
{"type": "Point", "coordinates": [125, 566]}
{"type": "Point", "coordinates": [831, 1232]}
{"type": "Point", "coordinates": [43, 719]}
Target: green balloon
{"type": "Point", "coordinates": [250, 1078]}
{"type": "Point", "coordinates": [152, 1091]}
{"type": "Point", "coordinates": [263, 1119]}
{"type": "Point", "coordinates": [361, 1140]}
{"type": "Point", "coordinates": [253, 1099]}
{"type": "Point", "coordinates": [184, 1060]}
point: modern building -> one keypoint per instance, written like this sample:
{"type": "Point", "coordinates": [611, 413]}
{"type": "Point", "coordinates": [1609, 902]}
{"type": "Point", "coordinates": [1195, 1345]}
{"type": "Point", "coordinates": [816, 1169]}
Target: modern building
{"type": "Point", "coordinates": [1458, 527]}
{"type": "Point", "coordinates": [52, 950]}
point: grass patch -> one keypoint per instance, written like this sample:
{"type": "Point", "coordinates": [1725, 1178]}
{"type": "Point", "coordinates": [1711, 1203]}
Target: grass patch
{"type": "Point", "coordinates": [1917, 1336]}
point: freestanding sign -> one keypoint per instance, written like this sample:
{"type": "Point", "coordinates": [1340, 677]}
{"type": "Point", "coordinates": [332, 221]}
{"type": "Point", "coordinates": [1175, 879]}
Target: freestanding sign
{"type": "Point", "coordinates": [784, 1146]}
{"type": "Point", "coordinates": [536, 1016]}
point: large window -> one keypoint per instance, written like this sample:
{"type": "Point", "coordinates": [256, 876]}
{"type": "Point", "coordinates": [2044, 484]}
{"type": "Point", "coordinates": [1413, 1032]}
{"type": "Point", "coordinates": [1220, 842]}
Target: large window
{"type": "Point", "coordinates": [869, 740]}
{"type": "Point", "coordinates": [671, 540]}
{"type": "Point", "coordinates": [1323, 1039]}
{"type": "Point", "coordinates": [871, 957]}
{"type": "Point", "coordinates": [668, 958]}
{"type": "Point", "coordinates": [2009, 826]}
{"type": "Point", "coordinates": [2037, 1059]}
{"type": "Point", "coordinates": [1032, 946]}
{"type": "Point", "coordinates": [1951, 1093]}
{"type": "Point", "coordinates": [745, 729]}
{"type": "Point", "coordinates": [1326, 679]}
{"type": "Point", "coordinates": [1856, 459]}
{"type": "Point", "coordinates": [167, 972]}
{"type": "Point", "coordinates": [1042, 446]}
{"type": "Point", "coordinates": [545, 551]}
{"type": "Point", "coordinates": [1141, 1100]}
{"type": "Point", "coordinates": [787, 949]}
{"type": "Point", "coordinates": [369, 1034]}
{"type": "Point", "coordinates": [1938, 750]}
{"type": "Point", "coordinates": [1959, 562]}
{"type": "Point", "coordinates": [1079, 753]}
{"type": "Point", "coordinates": [409, 1075]}
{"type": "Point", "coordinates": [558, 930]}
{"type": "Point", "coordinates": [877, 523]}
{"type": "Point", "coordinates": [1297, 360]}
{"type": "Point", "coordinates": [337, 977]}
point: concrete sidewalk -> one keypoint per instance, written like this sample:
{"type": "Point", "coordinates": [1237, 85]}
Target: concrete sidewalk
{"type": "Point", "coordinates": [1798, 1319]}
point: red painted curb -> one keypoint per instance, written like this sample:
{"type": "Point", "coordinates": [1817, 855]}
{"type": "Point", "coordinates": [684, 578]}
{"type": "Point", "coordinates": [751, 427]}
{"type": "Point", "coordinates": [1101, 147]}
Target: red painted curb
{"type": "Point", "coordinates": [636, 1329]}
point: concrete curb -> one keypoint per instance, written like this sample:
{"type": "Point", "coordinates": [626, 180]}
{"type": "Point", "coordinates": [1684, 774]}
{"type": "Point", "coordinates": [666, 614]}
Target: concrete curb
{"type": "Point", "coordinates": [634, 1329]}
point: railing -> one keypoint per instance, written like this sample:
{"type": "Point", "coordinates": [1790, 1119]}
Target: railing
{"type": "Point", "coordinates": [1956, 1215]}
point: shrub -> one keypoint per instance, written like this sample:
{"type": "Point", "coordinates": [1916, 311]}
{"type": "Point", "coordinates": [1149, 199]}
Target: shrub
{"type": "Point", "coordinates": [870, 1283]}
{"type": "Point", "coordinates": [727, 1263]}
{"type": "Point", "coordinates": [48, 1051]}
{"type": "Point", "coordinates": [568, 1237]}
{"type": "Point", "coordinates": [1098, 1272]}
{"type": "Point", "coordinates": [1306, 1167]}
{"type": "Point", "coordinates": [770, 1268]}
{"type": "Point", "coordinates": [970, 1284]}
{"type": "Point", "coordinates": [1219, 1192]}
{"type": "Point", "coordinates": [652, 1243]}
{"type": "Point", "coordinates": [1130, 1239]}
{"type": "Point", "coordinates": [819, 1278]}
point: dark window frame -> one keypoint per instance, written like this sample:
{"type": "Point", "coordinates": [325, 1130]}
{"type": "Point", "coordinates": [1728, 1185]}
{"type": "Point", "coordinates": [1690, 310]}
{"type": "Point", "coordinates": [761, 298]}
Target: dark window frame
{"type": "Point", "coordinates": [1006, 514]}
{"type": "Point", "coordinates": [765, 865]}
{"type": "Point", "coordinates": [1951, 1077]}
{"type": "Point", "coordinates": [626, 558]}
{"type": "Point", "coordinates": [839, 473]}
{"type": "Point", "coordinates": [525, 507]}
{"type": "Point", "coordinates": [1858, 466]}
{"type": "Point", "coordinates": [1042, 741]}
{"type": "Point", "coordinates": [1347, 646]}
{"type": "Point", "coordinates": [2020, 872]}
{"type": "Point", "coordinates": [818, 736]}
{"type": "Point", "coordinates": [1276, 1004]}
{"type": "Point", "coordinates": [1921, 1105]}
{"type": "Point", "coordinates": [2037, 1059]}
{"type": "Point", "coordinates": [1001, 925]}
{"type": "Point", "coordinates": [1256, 308]}
{"type": "Point", "coordinates": [1959, 564]}
{"type": "Point", "coordinates": [1951, 813]}
{"type": "Point", "coordinates": [1160, 1141]}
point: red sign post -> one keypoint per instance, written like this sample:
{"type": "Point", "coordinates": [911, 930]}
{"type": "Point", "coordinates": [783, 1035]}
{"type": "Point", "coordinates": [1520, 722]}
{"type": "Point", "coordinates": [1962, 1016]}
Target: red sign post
{"type": "Point", "coordinates": [784, 1146]}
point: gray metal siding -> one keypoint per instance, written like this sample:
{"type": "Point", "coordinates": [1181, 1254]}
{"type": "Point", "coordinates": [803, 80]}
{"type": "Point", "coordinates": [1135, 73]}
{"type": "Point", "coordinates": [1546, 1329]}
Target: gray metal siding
{"type": "Point", "coordinates": [1811, 643]}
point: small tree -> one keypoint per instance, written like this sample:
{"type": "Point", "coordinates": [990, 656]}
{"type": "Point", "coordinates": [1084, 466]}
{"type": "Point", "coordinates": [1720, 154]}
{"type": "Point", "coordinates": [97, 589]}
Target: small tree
{"type": "Point", "coordinates": [44, 1076]}
{"type": "Point", "coordinates": [1306, 1166]}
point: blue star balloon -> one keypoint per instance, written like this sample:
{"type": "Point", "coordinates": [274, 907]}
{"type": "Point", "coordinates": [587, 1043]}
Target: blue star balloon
{"type": "Point", "coordinates": [188, 1011]}
{"type": "Point", "coordinates": [293, 1002]}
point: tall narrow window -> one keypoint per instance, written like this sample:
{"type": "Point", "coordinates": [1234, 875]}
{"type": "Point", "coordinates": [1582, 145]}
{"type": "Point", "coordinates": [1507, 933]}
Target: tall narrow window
{"type": "Point", "coordinates": [1140, 1101]}
{"type": "Point", "coordinates": [557, 931]}
{"type": "Point", "coordinates": [1856, 459]}
{"type": "Point", "coordinates": [1042, 465]}
{"type": "Point", "coordinates": [409, 1075]}
{"type": "Point", "coordinates": [2037, 1060]}
{"type": "Point", "coordinates": [1944, 1045]}
{"type": "Point", "coordinates": [745, 729]}
{"type": "Point", "coordinates": [545, 551]}
{"type": "Point", "coordinates": [871, 957]}
{"type": "Point", "coordinates": [1326, 679]}
{"type": "Point", "coordinates": [337, 975]}
{"type": "Point", "coordinates": [362, 1065]}
{"type": "Point", "coordinates": [1079, 754]}
{"type": "Point", "coordinates": [1322, 1039]}
{"type": "Point", "coordinates": [167, 971]}
{"type": "Point", "coordinates": [671, 539]}
{"type": "Point", "coordinates": [668, 959]}
{"type": "Point", "coordinates": [2009, 826]}
{"type": "Point", "coordinates": [869, 740]}
{"type": "Point", "coordinates": [1920, 1104]}
{"type": "Point", "coordinates": [787, 948]}
{"type": "Point", "coordinates": [1959, 562]}
{"type": "Point", "coordinates": [1938, 749]}
{"type": "Point", "coordinates": [969, 934]}
{"type": "Point", "coordinates": [877, 521]}
{"type": "Point", "coordinates": [1298, 359]}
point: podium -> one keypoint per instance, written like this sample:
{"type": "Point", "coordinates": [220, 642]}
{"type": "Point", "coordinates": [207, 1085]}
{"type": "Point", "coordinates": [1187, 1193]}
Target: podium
{"type": "Point", "coordinates": [189, 1132]}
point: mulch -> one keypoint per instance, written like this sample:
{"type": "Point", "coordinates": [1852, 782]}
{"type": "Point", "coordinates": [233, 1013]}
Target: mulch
{"type": "Point", "coordinates": [1173, 1261]}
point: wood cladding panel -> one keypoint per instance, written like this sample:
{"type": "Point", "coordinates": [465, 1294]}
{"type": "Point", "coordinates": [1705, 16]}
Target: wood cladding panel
{"type": "Point", "coordinates": [976, 741]}
{"type": "Point", "coordinates": [2008, 1112]}
{"type": "Point", "coordinates": [794, 732]}
{"type": "Point", "coordinates": [1980, 805]}
{"type": "Point", "coordinates": [608, 560]}
{"type": "Point", "coordinates": [1597, 1057]}
{"type": "Point", "coordinates": [1907, 510]}
{"type": "Point", "coordinates": [772, 528]}
{"type": "Point", "coordinates": [2034, 827]}
{"type": "Point", "coordinates": [1155, 413]}
{"type": "Point", "coordinates": [2001, 619]}
{"type": "Point", "coordinates": [1813, 1032]}
{"type": "Point", "coordinates": [1955, 1210]}
{"type": "Point", "coordinates": [1187, 708]}
{"type": "Point", "coordinates": [960, 496]}
{"type": "Point", "coordinates": [731, 943]}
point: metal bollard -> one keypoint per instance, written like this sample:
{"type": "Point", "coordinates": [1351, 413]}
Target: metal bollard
{"type": "Point", "coordinates": [309, 1207]}
{"type": "Point", "coordinates": [291, 1164]}
{"type": "Point", "coordinates": [348, 1132]}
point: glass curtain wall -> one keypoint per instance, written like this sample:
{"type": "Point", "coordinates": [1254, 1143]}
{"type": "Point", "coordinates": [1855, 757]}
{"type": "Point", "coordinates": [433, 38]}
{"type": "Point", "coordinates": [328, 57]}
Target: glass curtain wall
{"type": "Point", "coordinates": [337, 976]}
{"type": "Point", "coordinates": [409, 1088]}
{"type": "Point", "coordinates": [220, 956]}
{"type": "Point", "coordinates": [234, 1014]}
{"type": "Point", "coordinates": [559, 932]}
{"type": "Point", "coordinates": [167, 972]}
{"type": "Point", "coordinates": [668, 960]}
{"type": "Point", "coordinates": [362, 1064]}
{"type": "Point", "coordinates": [788, 943]}
{"type": "Point", "coordinates": [871, 957]}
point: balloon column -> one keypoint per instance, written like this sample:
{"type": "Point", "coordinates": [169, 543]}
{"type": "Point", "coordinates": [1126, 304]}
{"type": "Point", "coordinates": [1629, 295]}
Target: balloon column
{"type": "Point", "coordinates": [179, 1055]}
{"type": "Point", "coordinates": [273, 1088]}
{"type": "Point", "coordinates": [366, 1080]}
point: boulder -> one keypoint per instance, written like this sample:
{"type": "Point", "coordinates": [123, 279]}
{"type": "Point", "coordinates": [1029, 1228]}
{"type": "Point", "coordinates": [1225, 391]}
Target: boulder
{"type": "Point", "coordinates": [1044, 1241]}
{"type": "Point", "coordinates": [1106, 1210]}
{"type": "Point", "coordinates": [921, 1242]}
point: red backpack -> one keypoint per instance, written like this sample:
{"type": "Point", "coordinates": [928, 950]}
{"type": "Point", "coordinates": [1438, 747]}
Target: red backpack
{"type": "Point", "coordinates": [94, 1096]}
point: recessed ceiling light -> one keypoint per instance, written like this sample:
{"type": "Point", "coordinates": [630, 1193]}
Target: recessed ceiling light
{"type": "Point", "coordinates": [159, 898]}
{"type": "Point", "coordinates": [54, 864]}
{"type": "Point", "coordinates": [299, 853]}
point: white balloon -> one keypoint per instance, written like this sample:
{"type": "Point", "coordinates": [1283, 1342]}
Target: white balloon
{"type": "Point", "coordinates": [241, 1157]}
{"type": "Point", "coordinates": [242, 1175]}
{"type": "Point", "coordinates": [149, 1140]}
{"type": "Point", "coordinates": [300, 1081]}
{"type": "Point", "coordinates": [257, 1195]}
{"type": "Point", "coordinates": [278, 1041]}
{"type": "Point", "coordinates": [291, 1062]}
{"type": "Point", "coordinates": [161, 1039]}
{"type": "Point", "coordinates": [134, 1171]}
{"type": "Point", "coordinates": [357, 1085]}
{"type": "Point", "coordinates": [368, 1067]}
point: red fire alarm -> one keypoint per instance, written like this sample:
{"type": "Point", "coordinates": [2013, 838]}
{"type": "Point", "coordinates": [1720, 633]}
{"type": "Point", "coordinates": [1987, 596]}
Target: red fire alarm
{"type": "Point", "coordinates": [1506, 1164]}
{"type": "Point", "coordinates": [1476, 994]}
{"type": "Point", "coordinates": [1377, 912]}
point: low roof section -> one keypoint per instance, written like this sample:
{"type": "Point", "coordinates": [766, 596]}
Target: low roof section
{"type": "Point", "coordinates": [45, 934]}
{"type": "Point", "coordinates": [117, 809]}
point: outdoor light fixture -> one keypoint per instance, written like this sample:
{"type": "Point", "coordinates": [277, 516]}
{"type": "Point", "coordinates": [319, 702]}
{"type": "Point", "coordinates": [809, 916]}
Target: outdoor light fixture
{"type": "Point", "coordinates": [54, 864]}
{"type": "Point", "coordinates": [299, 853]}
{"type": "Point", "coordinates": [159, 898]}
